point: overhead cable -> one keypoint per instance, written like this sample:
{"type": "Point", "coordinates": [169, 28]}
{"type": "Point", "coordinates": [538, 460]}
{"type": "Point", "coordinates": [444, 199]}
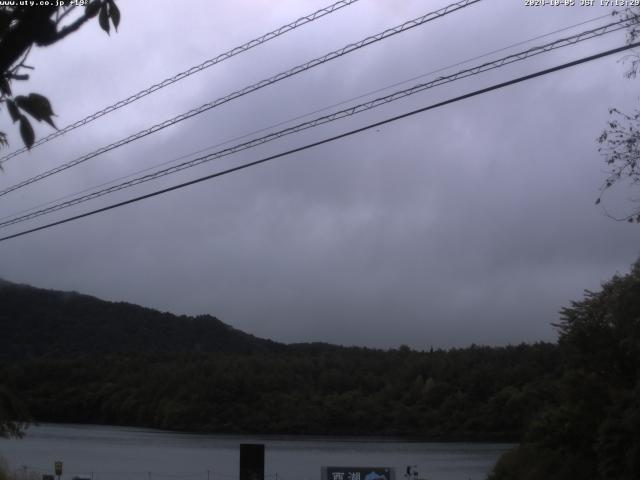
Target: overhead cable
{"type": "Point", "coordinates": [328, 140]}
{"type": "Point", "coordinates": [252, 88]}
{"type": "Point", "coordinates": [362, 107]}
{"type": "Point", "coordinates": [186, 73]}
{"type": "Point", "coordinates": [299, 117]}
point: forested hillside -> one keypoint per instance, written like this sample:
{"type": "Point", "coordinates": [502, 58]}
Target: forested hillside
{"type": "Point", "coordinates": [474, 393]}
{"type": "Point", "coordinates": [591, 428]}
{"type": "Point", "coordinates": [75, 358]}
{"type": "Point", "coordinates": [575, 405]}
{"type": "Point", "coordinates": [38, 323]}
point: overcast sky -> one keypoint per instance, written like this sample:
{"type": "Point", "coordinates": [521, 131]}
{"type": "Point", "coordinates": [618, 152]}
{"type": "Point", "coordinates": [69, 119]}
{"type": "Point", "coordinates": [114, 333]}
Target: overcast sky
{"type": "Point", "coordinates": [472, 223]}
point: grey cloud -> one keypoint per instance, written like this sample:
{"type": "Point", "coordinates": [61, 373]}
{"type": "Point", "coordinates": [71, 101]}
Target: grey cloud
{"type": "Point", "coordinates": [470, 223]}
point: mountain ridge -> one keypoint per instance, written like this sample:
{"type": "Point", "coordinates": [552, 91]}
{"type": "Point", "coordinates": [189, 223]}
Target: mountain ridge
{"type": "Point", "coordinates": [37, 322]}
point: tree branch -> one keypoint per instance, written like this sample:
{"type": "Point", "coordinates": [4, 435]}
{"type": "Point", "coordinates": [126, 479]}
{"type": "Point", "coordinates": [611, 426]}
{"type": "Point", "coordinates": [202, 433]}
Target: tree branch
{"type": "Point", "coordinates": [64, 14]}
{"type": "Point", "coordinates": [71, 27]}
{"type": "Point", "coordinates": [19, 39]}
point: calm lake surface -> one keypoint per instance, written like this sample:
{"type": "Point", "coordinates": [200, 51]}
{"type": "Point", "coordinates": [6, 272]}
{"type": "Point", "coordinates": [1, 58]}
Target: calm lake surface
{"type": "Point", "coordinates": [122, 453]}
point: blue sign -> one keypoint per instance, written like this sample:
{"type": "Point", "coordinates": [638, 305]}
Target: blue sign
{"type": "Point", "coordinates": [357, 473]}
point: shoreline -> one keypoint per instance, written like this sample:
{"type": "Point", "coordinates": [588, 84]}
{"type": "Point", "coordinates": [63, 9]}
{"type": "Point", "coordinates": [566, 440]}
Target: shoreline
{"type": "Point", "coordinates": [331, 437]}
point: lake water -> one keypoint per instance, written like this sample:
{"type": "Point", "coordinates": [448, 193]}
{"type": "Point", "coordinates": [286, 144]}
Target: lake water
{"type": "Point", "coordinates": [121, 453]}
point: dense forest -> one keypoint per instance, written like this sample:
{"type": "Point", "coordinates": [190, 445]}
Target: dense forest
{"type": "Point", "coordinates": [475, 393]}
{"type": "Point", "coordinates": [574, 406]}
{"type": "Point", "coordinates": [591, 428]}
{"type": "Point", "coordinates": [75, 358]}
{"type": "Point", "coordinates": [37, 323]}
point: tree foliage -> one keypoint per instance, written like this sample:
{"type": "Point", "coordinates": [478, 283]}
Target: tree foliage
{"type": "Point", "coordinates": [75, 358]}
{"type": "Point", "coordinates": [575, 406]}
{"type": "Point", "coordinates": [4, 469]}
{"type": "Point", "coordinates": [13, 415]}
{"type": "Point", "coordinates": [620, 140]}
{"type": "Point", "coordinates": [592, 428]}
{"type": "Point", "coordinates": [45, 323]}
{"type": "Point", "coordinates": [465, 394]}
{"type": "Point", "coordinates": [21, 28]}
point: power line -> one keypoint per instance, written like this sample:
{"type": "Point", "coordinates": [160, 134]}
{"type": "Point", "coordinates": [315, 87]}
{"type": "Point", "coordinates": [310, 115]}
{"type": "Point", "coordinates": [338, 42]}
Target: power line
{"type": "Point", "coordinates": [572, 40]}
{"type": "Point", "coordinates": [323, 109]}
{"type": "Point", "coordinates": [329, 139]}
{"type": "Point", "coordinates": [462, 62]}
{"type": "Point", "coordinates": [186, 73]}
{"type": "Point", "coordinates": [326, 119]}
{"type": "Point", "coordinates": [252, 88]}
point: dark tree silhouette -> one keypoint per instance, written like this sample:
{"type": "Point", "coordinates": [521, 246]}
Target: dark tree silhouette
{"type": "Point", "coordinates": [591, 427]}
{"type": "Point", "coordinates": [22, 28]}
{"type": "Point", "coordinates": [13, 414]}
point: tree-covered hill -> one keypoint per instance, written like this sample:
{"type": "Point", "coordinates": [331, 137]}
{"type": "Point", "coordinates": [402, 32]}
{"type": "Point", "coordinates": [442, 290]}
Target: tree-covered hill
{"type": "Point", "coordinates": [38, 323]}
{"type": "Point", "coordinates": [574, 405]}
{"type": "Point", "coordinates": [476, 393]}
{"type": "Point", "coordinates": [75, 358]}
{"type": "Point", "coordinates": [591, 427]}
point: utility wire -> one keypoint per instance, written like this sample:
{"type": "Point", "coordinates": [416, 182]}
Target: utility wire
{"type": "Point", "coordinates": [564, 42]}
{"type": "Point", "coordinates": [299, 117]}
{"type": "Point", "coordinates": [252, 88]}
{"type": "Point", "coordinates": [329, 139]}
{"type": "Point", "coordinates": [186, 73]}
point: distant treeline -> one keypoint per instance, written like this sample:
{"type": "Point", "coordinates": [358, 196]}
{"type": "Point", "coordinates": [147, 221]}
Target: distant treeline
{"type": "Point", "coordinates": [574, 405]}
{"type": "Point", "coordinates": [473, 393]}
{"type": "Point", "coordinates": [76, 358]}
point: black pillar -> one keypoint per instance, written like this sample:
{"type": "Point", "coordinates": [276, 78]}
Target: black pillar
{"type": "Point", "coordinates": [251, 461]}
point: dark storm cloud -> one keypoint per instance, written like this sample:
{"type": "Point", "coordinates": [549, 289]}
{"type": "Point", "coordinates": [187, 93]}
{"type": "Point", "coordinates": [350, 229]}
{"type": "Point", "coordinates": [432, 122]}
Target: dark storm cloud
{"type": "Point", "coordinates": [470, 223]}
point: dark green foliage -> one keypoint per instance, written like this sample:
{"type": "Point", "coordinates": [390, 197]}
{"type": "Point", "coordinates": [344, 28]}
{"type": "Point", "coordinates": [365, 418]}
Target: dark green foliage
{"type": "Point", "coordinates": [618, 441]}
{"type": "Point", "coordinates": [591, 427]}
{"type": "Point", "coordinates": [26, 132]}
{"type": "Point", "coordinates": [37, 106]}
{"type": "Point", "coordinates": [601, 333]}
{"type": "Point", "coordinates": [22, 27]}
{"type": "Point", "coordinates": [74, 358]}
{"type": "Point", "coordinates": [13, 414]}
{"type": "Point", "coordinates": [575, 406]}
{"type": "Point", "coordinates": [339, 391]}
{"type": "Point", "coordinates": [532, 463]}
{"type": "Point", "coordinates": [37, 323]}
